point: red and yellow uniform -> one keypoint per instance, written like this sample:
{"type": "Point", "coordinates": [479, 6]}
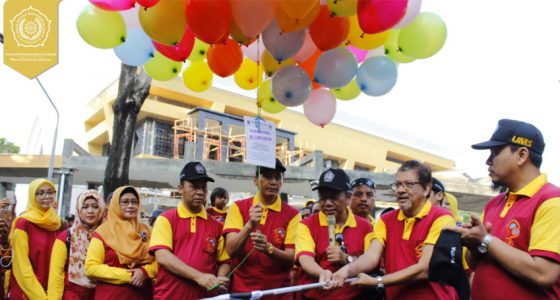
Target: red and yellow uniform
{"type": "Point", "coordinates": [313, 240]}
{"type": "Point", "coordinates": [195, 239]}
{"type": "Point", "coordinates": [526, 220]}
{"type": "Point", "coordinates": [404, 239]}
{"type": "Point", "coordinates": [218, 214]}
{"type": "Point", "coordinates": [278, 223]}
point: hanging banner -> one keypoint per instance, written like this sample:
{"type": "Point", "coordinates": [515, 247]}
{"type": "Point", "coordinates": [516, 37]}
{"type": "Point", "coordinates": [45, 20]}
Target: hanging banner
{"type": "Point", "coordinates": [31, 35]}
{"type": "Point", "coordinates": [260, 148]}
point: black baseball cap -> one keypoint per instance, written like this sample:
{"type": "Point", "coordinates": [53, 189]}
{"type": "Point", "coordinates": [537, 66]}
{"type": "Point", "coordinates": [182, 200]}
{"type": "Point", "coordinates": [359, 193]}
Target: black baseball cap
{"type": "Point", "coordinates": [516, 133]}
{"type": "Point", "coordinates": [278, 167]}
{"type": "Point", "coordinates": [437, 186]}
{"type": "Point", "coordinates": [335, 179]}
{"type": "Point", "coordinates": [446, 264]}
{"type": "Point", "coordinates": [194, 170]}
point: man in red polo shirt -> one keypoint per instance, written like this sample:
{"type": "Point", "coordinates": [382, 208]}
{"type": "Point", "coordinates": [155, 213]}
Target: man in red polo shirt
{"type": "Point", "coordinates": [405, 238]}
{"type": "Point", "coordinates": [317, 256]}
{"type": "Point", "coordinates": [259, 233]}
{"type": "Point", "coordinates": [188, 243]}
{"type": "Point", "coordinates": [515, 250]}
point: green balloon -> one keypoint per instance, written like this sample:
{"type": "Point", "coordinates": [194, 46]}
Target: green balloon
{"type": "Point", "coordinates": [347, 92]}
{"type": "Point", "coordinates": [100, 28]}
{"type": "Point", "coordinates": [162, 68]}
{"type": "Point", "coordinates": [266, 100]}
{"type": "Point", "coordinates": [393, 51]}
{"type": "Point", "coordinates": [199, 51]}
{"type": "Point", "coordinates": [423, 37]}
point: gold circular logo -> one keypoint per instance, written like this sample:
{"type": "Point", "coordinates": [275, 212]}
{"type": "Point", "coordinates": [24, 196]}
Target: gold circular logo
{"type": "Point", "coordinates": [30, 28]}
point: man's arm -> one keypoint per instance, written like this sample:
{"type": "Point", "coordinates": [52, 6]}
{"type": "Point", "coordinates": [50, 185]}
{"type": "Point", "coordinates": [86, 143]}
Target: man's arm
{"type": "Point", "coordinates": [311, 267]}
{"type": "Point", "coordinates": [176, 266]}
{"type": "Point", "coordinates": [365, 263]}
{"type": "Point", "coordinates": [235, 241]}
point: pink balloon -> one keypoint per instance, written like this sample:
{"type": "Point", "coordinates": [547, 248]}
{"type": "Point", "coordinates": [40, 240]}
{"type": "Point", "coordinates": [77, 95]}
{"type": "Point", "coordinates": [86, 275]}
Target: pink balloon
{"type": "Point", "coordinates": [320, 107]}
{"type": "Point", "coordinates": [254, 51]}
{"type": "Point", "coordinates": [113, 5]}
{"type": "Point", "coordinates": [412, 10]}
{"type": "Point", "coordinates": [306, 50]}
{"type": "Point", "coordinates": [179, 52]}
{"type": "Point", "coordinates": [360, 54]}
{"type": "Point", "coordinates": [253, 16]}
{"type": "Point", "coordinates": [130, 17]}
{"type": "Point", "coordinates": [376, 16]}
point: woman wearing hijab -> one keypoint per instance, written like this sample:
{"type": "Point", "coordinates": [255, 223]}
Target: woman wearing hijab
{"type": "Point", "coordinates": [67, 278]}
{"type": "Point", "coordinates": [32, 236]}
{"type": "Point", "coordinates": [118, 255]}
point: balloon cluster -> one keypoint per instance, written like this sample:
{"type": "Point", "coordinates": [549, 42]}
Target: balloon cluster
{"type": "Point", "coordinates": [295, 52]}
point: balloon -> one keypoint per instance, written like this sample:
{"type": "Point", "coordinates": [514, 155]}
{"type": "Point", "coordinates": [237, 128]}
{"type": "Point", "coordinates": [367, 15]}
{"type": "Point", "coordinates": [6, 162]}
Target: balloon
{"type": "Point", "coordinates": [376, 16]}
{"type": "Point", "coordinates": [271, 65]}
{"type": "Point", "coordinates": [327, 31]}
{"type": "Point", "coordinates": [298, 9]}
{"type": "Point", "coordinates": [165, 22]}
{"type": "Point", "coordinates": [137, 49]}
{"type": "Point", "coordinates": [179, 52]}
{"type": "Point", "coordinates": [249, 75]}
{"type": "Point", "coordinates": [291, 86]}
{"type": "Point", "coordinates": [424, 37]}
{"type": "Point", "coordinates": [282, 45]}
{"type": "Point", "coordinates": [209, 20]}
{"type": "Point", "coordinates": [162, 68]}
{"type": "Point", "coordinates": [320, 108]}
{"type": "Point", "coordinates": [100, 28]}
{"type": "Point", "coordinates": [393, 50]}
{"type": "Point", "coordinates": [335, 68]}
{"type": "Point", "coordinates": [266, 100]}
{"type": "Point", "coordinates": [198, 76]}
{"type": "Point", "coordinates": [343, 8]}
{"type": "Point", "coordinates": [359, 54]}
{"type": "Point", "coordinates": [347, 92]}
{"type": "Point", "coordinates": [289, 24]}
{"type": "Point", "coordinates": [309, 66]}
{"type": "Point", "coordinates": [199, 51]}
{"type": "Point", "coordinates": [131, 18]}
{"type": "Point", "coordinates": [254, 51]}
{"type": "Point", "coordinates": [236, 34]}
{"type": "Point", "coordinates": [377, 76]}
{"type": "Point", "coordinates": [359, 39]}
{"type": "Point", "coordinates": [113, 5]}
{"type": "Point", "coordinates": [253, 16]}
{"type": "Point", "coordinates": [306, 50]}
{"type": "Point", "coordinates": [412, 10]}
{"type": "Point", "coordinates": [225, 59]}
{"type": "Point", "coordinates": [147, 3]}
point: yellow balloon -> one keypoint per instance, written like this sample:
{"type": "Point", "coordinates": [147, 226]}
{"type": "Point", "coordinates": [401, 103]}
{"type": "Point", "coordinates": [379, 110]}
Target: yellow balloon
{"type": "Point", "coordinates": [288, 23]}
{"type": "Point", "coordinates": [347, 92]}
{"type": "Point", "coordinates": [271, 65]}
{"type": "Point", "coordinates": [198, 76]}
{"type": "Point", "coordinates": [249, 75]}
{"type": "Point", "coordinates": [162, 68]}
{"type": "Point", "coordinates": [100, 28]}
{"type": "Point", "coordinates": [392, 49]}
{"type": "Point", "coordinates": [266, 100]}
{"type": "Point", "coordinates": [199, 50]}
{"type": "Point", "coordinates": [164, 22]}
{"type": "Point", "coordinates": [298, 9]}
{"type": "Point", "coordinates": [359, 39]}
{"type": "Point", "coordinates": [343, 8]}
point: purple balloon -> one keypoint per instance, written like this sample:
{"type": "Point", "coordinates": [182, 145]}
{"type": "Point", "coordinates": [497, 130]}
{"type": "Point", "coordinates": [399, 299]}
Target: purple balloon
{"type": "Point", "coordinates": [282, 45]}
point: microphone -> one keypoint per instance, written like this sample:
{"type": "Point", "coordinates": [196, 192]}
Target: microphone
{"type": "Point", "coordinates": [331, 221]}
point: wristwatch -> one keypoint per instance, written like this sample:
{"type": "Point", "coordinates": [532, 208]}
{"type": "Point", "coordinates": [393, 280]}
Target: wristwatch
{"type": "Point", "coordinates": [483, 247]}
{"type": "Point", "coordinates": [380, 284]}
{"type": "Point", "coordinates": [349, 258]}
{"type": "Point", "coordinates": [270, 249]}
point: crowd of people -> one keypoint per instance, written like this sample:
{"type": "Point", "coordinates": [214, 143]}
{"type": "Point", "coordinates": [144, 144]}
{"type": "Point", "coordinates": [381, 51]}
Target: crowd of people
{"type": "Point", "coordinates": [198, 250]}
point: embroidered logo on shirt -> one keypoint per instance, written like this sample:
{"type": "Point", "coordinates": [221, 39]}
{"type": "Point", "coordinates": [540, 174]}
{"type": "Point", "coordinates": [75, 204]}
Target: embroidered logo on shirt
{"type": "Point", "coordinates": [513, 230]}
{"type": "Point", "coordinates": [329, 176]}
{"type": "Point", "coordinates": [279, 235]}
{"type": "Point", "coordinates": [211, 244]}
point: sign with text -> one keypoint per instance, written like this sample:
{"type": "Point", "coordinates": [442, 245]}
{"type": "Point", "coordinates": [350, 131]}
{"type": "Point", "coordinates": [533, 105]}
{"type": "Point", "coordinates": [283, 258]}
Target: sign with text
{"type": "Point", "coordinates": [260, 146]}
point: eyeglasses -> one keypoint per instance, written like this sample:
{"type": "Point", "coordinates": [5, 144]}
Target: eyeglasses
{"type": "Point", "coordinates": [407, 185]}
{"type": "Point", "coordinates": [43, 194]}
{"type": "Point", "coordinates": [363, 181]}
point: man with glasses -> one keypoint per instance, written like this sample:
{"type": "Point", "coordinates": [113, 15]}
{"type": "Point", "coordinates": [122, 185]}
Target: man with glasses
{"type": "Point", "coordinates": [405, 238]}
{"type": "Point", "coordinates": [318, 256]}
{"type": "Point", "coordinates": [259, 233]}
{"type": "Point", "coordinates": [188, 243]}
{"type": "Point", "coordinates": [363, 198]}
{"type": "Point", "coordinates": [514, 248]}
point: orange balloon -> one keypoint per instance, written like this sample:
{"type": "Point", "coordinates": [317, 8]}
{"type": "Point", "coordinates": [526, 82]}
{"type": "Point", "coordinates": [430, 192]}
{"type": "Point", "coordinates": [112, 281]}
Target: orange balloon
{"type": "Point", "coordinates": [225, 59]}
{"type": "Point", "coordinates": [298, 9]}
{"type": "Point", "coordinates": [253, 16]}
{"type": "Point", "coordinates": [327, 31]}
{"type": "Point", "coordinates": [309, 67]}
{"type": "Point", "coordinates": [289, 24]}
{"type": "Point", "coordinates": [165, 22]}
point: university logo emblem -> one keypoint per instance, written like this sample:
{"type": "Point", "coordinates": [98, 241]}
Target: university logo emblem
{"type": "Point", "coordinates": [211, 244]}
{"type": "Point", "coordinates": [329, 176]}
{"type": "Point", "coordinates": [30, 28]}
{"type": "Point", "coordinates": [199, 169]}
{"type": "Point", "coordinates": [513, 230]}
{"type": "Point", "coordinates": [279, 235]}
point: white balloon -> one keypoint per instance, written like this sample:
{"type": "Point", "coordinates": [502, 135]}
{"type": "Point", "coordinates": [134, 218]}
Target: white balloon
{"type": "Point", "coordinates": [412, 10]}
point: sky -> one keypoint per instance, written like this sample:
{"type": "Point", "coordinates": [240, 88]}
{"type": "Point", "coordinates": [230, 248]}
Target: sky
{"type": "Point", "coordinates": [500, 60]}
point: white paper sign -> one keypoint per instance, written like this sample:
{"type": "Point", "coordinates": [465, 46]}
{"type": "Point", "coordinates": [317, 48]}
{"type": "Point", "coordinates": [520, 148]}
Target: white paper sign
{"type": "Point", "coordinates": [261, 142]}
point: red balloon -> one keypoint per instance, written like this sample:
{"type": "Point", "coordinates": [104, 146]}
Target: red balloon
{"type": "Point", "coordinates": [376, 16]}
{"type": "Point", "coordinates": [179, 52]}
{"type": "Point", "coordinates": [327, 31]}
{"type": "Point", "coordinates": [208, 19]}
{"type": "Point", "coordinates": [225, 59]}
{"type": "Point", "coordinates": [147, 3]}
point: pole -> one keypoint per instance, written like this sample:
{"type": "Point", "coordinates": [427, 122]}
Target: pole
{"type": "Point", "coordinates": [51, 162]}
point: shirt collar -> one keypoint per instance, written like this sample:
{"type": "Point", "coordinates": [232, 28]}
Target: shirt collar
{"type": "Point", "coordinates": [184, 212]}
{"type": "Point", "coordinates": [223, 211]}
{"type": "Point", "coordinates": [533, 187]}
{"type": "Point", "coordinates": [422, 213]}
{"type": "Point", "coordinates": [276, 206]}
{"type": "Point", "coordinates": [350, 220]}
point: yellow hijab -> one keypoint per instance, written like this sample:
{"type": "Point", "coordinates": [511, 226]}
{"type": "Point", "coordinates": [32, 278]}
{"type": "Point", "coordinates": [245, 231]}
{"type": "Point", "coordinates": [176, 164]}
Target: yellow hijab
{"type": "Point", "coordinates": [129, 238]}
{"type": "Point", "coordinates": [46, 219]}
{"type": "Point", "coordinates": [453, 206]}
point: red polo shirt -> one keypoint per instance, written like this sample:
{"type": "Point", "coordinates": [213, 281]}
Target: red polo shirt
{"type": "Point", "coordinates": [218, 214]}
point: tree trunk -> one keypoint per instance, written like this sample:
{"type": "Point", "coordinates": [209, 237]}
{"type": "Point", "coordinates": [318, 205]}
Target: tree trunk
{"type": "Point", "coordinates": [134, 87]}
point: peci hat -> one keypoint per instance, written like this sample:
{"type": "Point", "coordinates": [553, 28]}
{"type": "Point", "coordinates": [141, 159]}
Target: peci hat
{"type": "Point", "coordinates": [194, 170]}
{"type": "Point", "coordinates": [516, 133]}
{"type": "Point", "coordinates": [437, 186]}
{"type": "Point", "coordinates": [446, 264]}
{"type": "Point", "coordinates": [335, 179]}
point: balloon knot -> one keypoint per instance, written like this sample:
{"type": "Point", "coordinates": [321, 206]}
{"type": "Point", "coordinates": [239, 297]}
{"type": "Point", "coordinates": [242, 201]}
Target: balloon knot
{"type": "Point", "coordinates": [123, 39]}
{"type": "Point", "coordinates": [347, 43]}
{"type": "Point", "coordinates": [362, 36]}
{"type": "Point", "coordinates": [322, 125]}
{"type": "Point", "coordinates": [174, 70]}
{"type": "Point", "coordinates": [288, 94]}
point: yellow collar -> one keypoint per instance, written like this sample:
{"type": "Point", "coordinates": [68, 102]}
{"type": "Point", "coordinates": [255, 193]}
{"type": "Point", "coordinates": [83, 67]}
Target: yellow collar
{"type": "Point", "coordinates": [184, 212]}
{"type": "Point", "coordinates": [371, 219]}
{"type": "Point", "coordinates": [532, 187]}
{"type": "Point", "coordinates": [222, 211]}
{"type": "Point", "coordinates": [350, 220]}
{"type": "Point", "coordinates": [276, 206]}
{"type": "Point", "coordinates": [422, 213]}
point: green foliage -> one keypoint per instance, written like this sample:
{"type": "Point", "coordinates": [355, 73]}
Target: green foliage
{"type": "Point", "coordinates": [8, 147]}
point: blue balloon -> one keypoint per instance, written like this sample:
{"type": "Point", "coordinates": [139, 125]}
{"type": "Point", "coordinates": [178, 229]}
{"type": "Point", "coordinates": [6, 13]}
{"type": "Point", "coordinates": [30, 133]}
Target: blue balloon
{"type": "Point", "coordinates": [377, 75]}
{"type": "Point", "coordinates": [336, 68]}
{"type": "Point", "coordinates": [291, 85]}
{"type": "Point", "coordinates": [137, 49]}
{"type": "Point", "coordinates": [282, 45]}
